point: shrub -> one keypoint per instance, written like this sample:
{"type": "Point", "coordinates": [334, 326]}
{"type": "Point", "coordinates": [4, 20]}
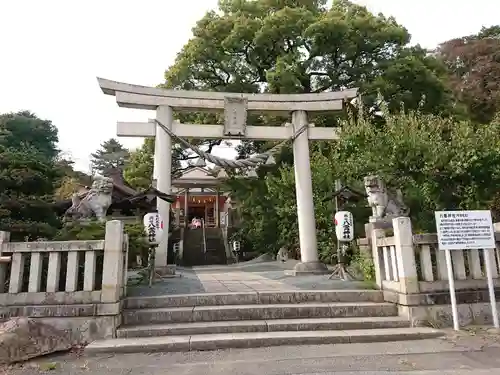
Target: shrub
{"type": "Point", "coordinates": [95, 230]}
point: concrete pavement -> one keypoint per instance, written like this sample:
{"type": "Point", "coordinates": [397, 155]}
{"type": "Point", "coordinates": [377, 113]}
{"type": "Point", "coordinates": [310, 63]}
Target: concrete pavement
{"type": "Point", "coordinates": [463, 354]}
{"type": "Point", "coordinates": [241, 277]}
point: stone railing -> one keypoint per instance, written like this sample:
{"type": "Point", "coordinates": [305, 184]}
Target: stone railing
{"type": "Point", "coordinates": [411, 270]}
{"type": "Point", "coordinates": [74, 285]}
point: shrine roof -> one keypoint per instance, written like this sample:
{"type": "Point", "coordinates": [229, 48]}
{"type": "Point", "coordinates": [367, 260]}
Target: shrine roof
{"type": "Point", "coordinates": [195, 176]}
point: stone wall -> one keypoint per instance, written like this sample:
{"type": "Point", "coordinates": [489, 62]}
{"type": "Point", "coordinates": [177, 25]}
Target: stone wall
{"type": "Point", "coordinates": [77, 286]}
{"type": "Point", "coordinates": [411, 271]}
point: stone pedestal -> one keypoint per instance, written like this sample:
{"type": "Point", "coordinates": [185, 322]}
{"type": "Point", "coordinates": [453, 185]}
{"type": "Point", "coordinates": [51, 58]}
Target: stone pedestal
{"type": "Point", "coordinates": [385, 223]}
{"type": "Point", "coordinates": [168, 270]}
{"type": "Point", "coordinates": [308, 268]}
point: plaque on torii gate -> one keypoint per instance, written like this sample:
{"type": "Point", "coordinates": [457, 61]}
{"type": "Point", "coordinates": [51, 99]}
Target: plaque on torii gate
{"type": "Point", "coordinates": [235, 107]}
{"type": "Point", "coordinates": [235, 116]}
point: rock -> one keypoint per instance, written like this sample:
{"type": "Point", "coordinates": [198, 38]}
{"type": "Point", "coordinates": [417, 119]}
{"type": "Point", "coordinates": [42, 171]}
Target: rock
{"type": "Point", "coordinates": [24, 338]}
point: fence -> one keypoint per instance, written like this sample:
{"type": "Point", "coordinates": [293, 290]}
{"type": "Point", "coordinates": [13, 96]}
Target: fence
{"type": "Point", "coordinates": [72, 279]}
{"type": "Point", "coordinates": [411, 270]}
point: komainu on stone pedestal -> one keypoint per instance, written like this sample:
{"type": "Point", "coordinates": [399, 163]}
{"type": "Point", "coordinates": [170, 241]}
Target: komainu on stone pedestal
{"type": "Point", "coordinates": [24, 338]}
{"type": "Point", "coordinates": [95, 203]}
{"type": "Point", "coordinates": [282, 255]}
{"type": "Point", "coordinates": [385, 205]}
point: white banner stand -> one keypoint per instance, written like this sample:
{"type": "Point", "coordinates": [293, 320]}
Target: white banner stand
{"type": "Point", "coordinates": [467, 230]}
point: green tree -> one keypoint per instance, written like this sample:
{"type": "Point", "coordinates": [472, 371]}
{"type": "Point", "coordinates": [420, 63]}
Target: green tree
{"type": "Point", "coordinates": [69, 179]}
{"type": "Point", "coordinates": [303, 46]}
{"type": "Point", "coordinates": [111, 155]}
{"type": "Point", "coordinates": [299, 46]}
{"type": "Point", "coordinates": [438, 163]}
{"type": "Point", "coordinates": [138, 171]}
{"type": "Point", "coordinates": [474, 68]}
{"type": "Point", "coordinates": [28, 173]}
{"type": "Point", "coordinates": [268, 206]}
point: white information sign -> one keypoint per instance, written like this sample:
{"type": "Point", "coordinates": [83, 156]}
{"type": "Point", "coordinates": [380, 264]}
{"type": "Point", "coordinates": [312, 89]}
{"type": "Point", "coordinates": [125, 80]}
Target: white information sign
{"type": "Point", "coordinates": [464, 230]}
{"type": "Point", "coordinates": [467, 230]}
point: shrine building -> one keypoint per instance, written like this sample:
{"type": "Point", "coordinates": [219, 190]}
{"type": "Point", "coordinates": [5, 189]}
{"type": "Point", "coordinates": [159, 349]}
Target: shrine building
{"type": "Point", "coordinates": [199, 194]}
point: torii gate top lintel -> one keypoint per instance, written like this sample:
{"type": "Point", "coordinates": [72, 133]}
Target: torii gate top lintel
{"type": "Point", "coordinates": [144, 97]}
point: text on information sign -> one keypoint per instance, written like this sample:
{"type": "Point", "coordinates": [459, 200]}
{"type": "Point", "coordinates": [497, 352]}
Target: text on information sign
{"type": "Point", "coordinates": [459, 230]}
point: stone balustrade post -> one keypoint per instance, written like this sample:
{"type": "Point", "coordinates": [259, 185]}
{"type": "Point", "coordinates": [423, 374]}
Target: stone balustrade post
{"type": "Point", "coordinates": [377, 264]}
{"type": "Point", "coordinates": [4, 238]}
{"type": "Point", "coordinates": [113, 267]}
{"type": "Point", "coordinates": [405, 255]}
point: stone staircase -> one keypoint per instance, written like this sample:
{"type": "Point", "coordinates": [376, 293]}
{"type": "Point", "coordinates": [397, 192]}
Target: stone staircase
{"type": "Point", "coordinates": [216, 253]}
{"type": "Point", "coordinates": [193, 253]}
{"type": "Point", "coordinates": [257, 319]}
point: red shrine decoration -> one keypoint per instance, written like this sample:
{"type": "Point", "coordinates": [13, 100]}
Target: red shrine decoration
{"type": "Point", "coordinates": [201, 200]}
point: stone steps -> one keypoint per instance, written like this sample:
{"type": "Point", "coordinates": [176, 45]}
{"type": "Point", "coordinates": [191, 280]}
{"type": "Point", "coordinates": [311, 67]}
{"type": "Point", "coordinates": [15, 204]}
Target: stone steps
{"type": "Point", "coordinates": [257, 319]}
{"type": "Point", "coordinates": [257, 312]}
{"type": "Point", "coordinates": [256, 339]}
{"type": "Point", "coordinates": [248, 298]}
{"type": "Point", "coordinates": [273, 325]}
{"type": "Point", "coordinates": [194, 254]}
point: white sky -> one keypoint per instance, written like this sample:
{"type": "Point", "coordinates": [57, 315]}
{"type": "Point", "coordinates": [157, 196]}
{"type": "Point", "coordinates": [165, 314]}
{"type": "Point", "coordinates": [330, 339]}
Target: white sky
{"type": "Point", "coordinates": [52, 51]}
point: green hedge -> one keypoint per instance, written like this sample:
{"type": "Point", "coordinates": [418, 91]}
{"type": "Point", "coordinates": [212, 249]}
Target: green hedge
{"type": "Point", "coordinates": [94, 230]}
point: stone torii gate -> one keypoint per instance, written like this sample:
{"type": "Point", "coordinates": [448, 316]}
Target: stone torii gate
{"type": "Point", "coordinates": [236, 106]}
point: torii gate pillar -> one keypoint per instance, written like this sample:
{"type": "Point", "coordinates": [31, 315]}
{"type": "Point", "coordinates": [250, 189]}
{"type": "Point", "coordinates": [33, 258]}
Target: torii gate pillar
{"type": "Point", "coordinates": [305, 206]}
{"type": "Point", "coordinates": [163, 171]}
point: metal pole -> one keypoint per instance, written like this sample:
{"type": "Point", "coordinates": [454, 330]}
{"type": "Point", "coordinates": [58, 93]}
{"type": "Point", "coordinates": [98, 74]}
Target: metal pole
{"type": "Point", "coordinates": [151, 264]}
{"type": "Point", "coordinates": [338, 186]}
{"type": "Point", "coordinates": [491, 288]}
{"type": "Point", "coordinates": [451, 281]}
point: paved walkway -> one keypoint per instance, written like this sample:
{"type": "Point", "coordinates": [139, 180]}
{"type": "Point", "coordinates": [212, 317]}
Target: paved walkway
{"type": "Point", "coordinates": [477, 354]}
{"type": "Point", "coordinates": [267, 276]}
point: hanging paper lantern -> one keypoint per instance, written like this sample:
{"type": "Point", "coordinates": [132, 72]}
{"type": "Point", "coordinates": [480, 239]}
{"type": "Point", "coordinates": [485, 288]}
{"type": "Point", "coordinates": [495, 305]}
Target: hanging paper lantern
{"type": "Point", "coordinates": [153, 226]}
{"type": "Point", "coordinates": [344, 226]}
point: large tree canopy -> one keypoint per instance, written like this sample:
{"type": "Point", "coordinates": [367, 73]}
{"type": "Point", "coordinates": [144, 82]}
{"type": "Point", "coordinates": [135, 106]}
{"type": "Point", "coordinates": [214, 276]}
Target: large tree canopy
{"type": "Point", "coordinates": [300, 46]}
{"type": "Point", "coordinates": [474, 66]}
{"type": "Point", "coordinates": [304, 46]}
{"type": "Point", "coordinates": [28, 172]}
{"type": "Point", "coordinates": [438, 163]}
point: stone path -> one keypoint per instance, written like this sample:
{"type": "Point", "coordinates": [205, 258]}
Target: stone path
{"type": "Point", "coordinates": [465, 355]}
{"type": "Point", "coordinates": [268, 276]}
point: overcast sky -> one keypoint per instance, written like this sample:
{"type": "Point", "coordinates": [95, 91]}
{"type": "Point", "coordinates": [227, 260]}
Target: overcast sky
{"type": "Point", "coordinates": [53, 50]}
